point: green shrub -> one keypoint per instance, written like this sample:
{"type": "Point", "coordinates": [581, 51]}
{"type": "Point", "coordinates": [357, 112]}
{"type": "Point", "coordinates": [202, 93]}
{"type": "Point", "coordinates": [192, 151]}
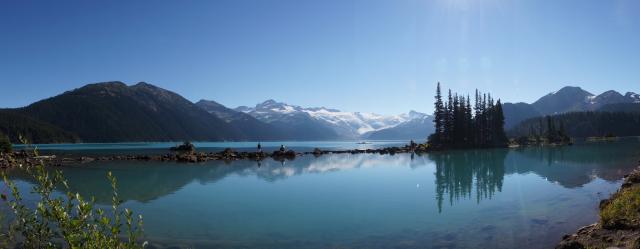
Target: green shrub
{"type": "Point", "coordinates": [5, 144]}
{"type": "Point", "coordinates": [623, 210]}
{"type": "Point", "coordinates": [68, 221]}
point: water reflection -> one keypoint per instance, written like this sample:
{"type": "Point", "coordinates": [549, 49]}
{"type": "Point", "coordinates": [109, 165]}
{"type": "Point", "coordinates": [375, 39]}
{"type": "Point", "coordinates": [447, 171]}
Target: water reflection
{"type": "Point", "coordinates": [459, 172]}
{"type": "Point", "coordinates": [468, 174]}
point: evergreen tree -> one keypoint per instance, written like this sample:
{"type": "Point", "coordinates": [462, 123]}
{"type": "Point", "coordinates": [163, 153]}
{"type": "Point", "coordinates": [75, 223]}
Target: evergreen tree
{"type": "Point", "coordinates": [550, 129]}
{"type": "Point", "coordinates": [468, 121]}
{"type": "Point", "coordinates": [448, 124]}
{"type": "Point", "coordinates": [5, 144]}
{"type": "Point", "coordinates": [438, 114]}
{"type": "Point", "coordinates": [499, 136]}
{"type": "Point", "coordinates": [456, 120]}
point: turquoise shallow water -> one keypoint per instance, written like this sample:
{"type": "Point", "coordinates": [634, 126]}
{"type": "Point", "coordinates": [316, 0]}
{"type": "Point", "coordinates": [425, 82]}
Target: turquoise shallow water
{"type": "Point", "coordinates": [493, 198]}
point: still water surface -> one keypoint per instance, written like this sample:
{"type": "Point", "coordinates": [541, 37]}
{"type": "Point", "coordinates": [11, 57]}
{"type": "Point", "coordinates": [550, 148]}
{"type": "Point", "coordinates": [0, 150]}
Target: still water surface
{"type": "Point", "coordinates": [492, 198]}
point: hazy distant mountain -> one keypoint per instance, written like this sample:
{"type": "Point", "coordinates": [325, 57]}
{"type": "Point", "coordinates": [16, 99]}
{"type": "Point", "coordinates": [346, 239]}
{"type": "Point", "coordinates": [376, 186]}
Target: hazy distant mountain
{"type": "Point", "coordinates": [568, 99]}
{"type": "Point", "coordinates": [298, 125]}
{"type": "Point", "coordinates": [113, 111]}
{"type": "Point", "coordinates": [334, 123]}
{"type": "Point", "coordinates": [515, 113]}
{"type": "Point", "coordinates": [253, 128]}
{"type": "Point", "coordinates": [564, 100]}
{"type": "Point", "coordinates": [417, 127]}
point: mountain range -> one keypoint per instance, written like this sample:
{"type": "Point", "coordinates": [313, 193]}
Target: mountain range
{"type": "Point", "coordinates": [569, 99]}
{"type": "Point", "coordinates": [325, 123]}
{"type": "Point", "coordinates": [116, 112]}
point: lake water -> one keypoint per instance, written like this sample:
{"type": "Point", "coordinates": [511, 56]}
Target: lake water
{"type": "Point", "coordinates": [162, 147]}
{"type": "Point", "coordinates": [492, 198]}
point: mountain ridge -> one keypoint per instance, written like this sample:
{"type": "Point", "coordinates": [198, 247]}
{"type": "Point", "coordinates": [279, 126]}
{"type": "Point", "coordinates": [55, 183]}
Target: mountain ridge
{"type": "Point", "coordinates": [351, 125]}
{"type": "Point", "coordinates": [116, 112]}
{"type": "Point", "coordinates": [113, 111]}
{"type": "Point", "coordinates": [567, 99]}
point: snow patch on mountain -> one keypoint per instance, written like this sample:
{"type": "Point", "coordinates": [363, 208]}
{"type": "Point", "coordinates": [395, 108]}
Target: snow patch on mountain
{"type": "Point", "coordinates": [348, 124]}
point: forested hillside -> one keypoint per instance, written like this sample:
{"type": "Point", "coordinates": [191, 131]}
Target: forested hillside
{"type": "Point", "coordinates": [15, 125]}
{"type": "Point", "coordinates": [585, 124]}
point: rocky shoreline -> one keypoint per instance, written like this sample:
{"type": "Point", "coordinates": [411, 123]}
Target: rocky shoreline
{"type": "Point", "coordinates": [617, 232]}
{"type": "Point", "coordinates": [191, 156]}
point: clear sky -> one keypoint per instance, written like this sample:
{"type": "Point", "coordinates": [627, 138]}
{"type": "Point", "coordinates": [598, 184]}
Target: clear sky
{"type": "Point", "coordinates": [368, 55]}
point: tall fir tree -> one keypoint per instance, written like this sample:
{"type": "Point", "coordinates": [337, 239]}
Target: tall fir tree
{"type": "Point", "coordinates": [499, 136]}
{"type": "Point", "coordinates": [438, 115]}
{"type": "Point", "coordinates": [448, 124]}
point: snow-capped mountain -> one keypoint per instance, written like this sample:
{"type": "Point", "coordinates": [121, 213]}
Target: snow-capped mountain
{"type": "Point", "coordinates": [418, 127]}
{"type": "Point", "coordinates": [575, 99]}
{"type": "Point", "coordinates": [351, 125]}
{"type": "Point", "coordinates": [634, 97]}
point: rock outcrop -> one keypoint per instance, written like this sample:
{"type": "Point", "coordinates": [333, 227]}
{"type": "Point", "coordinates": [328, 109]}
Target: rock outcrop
{"type": "Point", "coordinates": [620, 230]}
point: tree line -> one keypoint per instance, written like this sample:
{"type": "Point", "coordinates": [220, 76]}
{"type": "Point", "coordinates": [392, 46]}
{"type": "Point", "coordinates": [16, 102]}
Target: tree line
{"type": "Point", "coordinates": [458, 125]}
{"type": "Point", "coordinates": [554, 132]}
{"type": "Point", "coordinates": [14, 125]}
{"type": "Point", "coordinates": [580, 124]}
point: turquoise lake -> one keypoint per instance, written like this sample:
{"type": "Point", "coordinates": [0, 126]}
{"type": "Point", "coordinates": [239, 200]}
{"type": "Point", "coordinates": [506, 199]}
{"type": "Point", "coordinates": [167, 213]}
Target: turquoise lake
{"type": "Point", "coordinates": [491, 198]}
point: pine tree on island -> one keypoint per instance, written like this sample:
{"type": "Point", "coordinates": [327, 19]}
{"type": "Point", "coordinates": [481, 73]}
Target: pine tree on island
{"type": "Point", "coordinates": [458, 126]}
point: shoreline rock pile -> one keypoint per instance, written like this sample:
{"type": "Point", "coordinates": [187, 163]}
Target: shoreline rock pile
{"type": "Point", "coordinates": [187, 153]}
{"type": "Point", "coordinates": [616, 232]}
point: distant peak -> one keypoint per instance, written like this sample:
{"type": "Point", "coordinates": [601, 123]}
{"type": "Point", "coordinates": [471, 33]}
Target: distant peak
{"type": "Point", "coordinates": [415, 114]}
{"type": "Point", "coordinates": [144, 84]}
{"type": "Point", "coordinates": [269, 101]}
{"type": "Point", "coordinates": [610, 93]}
{"type": "Point", "coordinates": [243, 108]}
{"type": "Point", "coordinates": [208, 102]}
{"type": "Point", "coordinates": [571, 90]}
{"type": "Point", "coordinates": [205, 101]}
{"type": "Point", "coordinates": [108, 83]}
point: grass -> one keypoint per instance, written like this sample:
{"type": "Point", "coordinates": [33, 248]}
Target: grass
{"type": "Point", "coordinates": [623, 209]}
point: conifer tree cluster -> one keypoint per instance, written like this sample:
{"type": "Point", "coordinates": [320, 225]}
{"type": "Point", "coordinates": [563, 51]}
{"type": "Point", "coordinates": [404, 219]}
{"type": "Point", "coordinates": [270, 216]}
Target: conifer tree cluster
{"type": "Point", "coordinates": [458, 125]}
{"type": "Point", "coordinates": [554, 132]}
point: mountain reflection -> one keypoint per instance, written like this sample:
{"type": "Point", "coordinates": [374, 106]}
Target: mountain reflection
{"type": "Point", "coordinates": [463, 174]}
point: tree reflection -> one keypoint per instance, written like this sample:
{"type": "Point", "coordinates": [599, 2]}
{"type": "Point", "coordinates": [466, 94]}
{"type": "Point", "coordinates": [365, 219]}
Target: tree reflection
{"type": "Point", "coordinates": [458, 173]}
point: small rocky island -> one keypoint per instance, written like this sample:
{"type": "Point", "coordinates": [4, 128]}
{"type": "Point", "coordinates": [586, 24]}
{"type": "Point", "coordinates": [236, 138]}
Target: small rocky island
{"type": "Point", "coordinates": [187, 153]}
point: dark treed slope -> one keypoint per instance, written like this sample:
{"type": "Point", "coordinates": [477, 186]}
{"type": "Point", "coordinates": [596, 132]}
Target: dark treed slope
{"type": "Point", "coordinates": [250, 126]}
{"type": "Point", "coordinates": [586, 124]}
{"type": "Point", "coordinates": [621, 107]}
{"type": "Point", "coordinates": [115, 112]}
{"type": "Point", "coordinates": [14, 125]}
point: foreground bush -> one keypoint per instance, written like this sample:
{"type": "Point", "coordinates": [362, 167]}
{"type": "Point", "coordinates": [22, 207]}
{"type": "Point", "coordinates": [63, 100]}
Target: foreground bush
{"type": "Point", "coordinates": [623, 211]}
{"type": "Point", "coordinates": [69, 220]}
{"type": "Point", "coordinates": [5, 144]}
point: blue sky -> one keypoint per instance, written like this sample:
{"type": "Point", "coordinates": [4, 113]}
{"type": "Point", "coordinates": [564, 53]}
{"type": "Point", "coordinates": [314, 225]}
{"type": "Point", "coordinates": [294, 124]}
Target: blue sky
{"type": "Point", "coordinates": [369, 55]}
